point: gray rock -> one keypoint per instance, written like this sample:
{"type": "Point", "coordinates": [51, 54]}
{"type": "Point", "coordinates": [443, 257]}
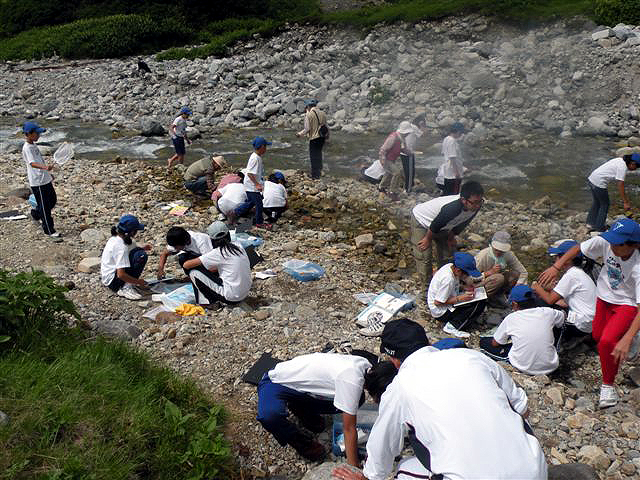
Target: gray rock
{"type": "Point", "coordinates": [23, 193]}
{"type": "Point", "coordinates": [93, 236]}
{"type": "Point", "coordinates": [594, 456]}
{"type": "Point", "coordinates": [290, 107]}
{"type": "Point", "coordinates": [4, 419]}
{"type": "Point", "coordinates": [572, 471]}
{"type": "Point", "coordinates": [606, 33]}
{"type": "Point", "coordinates": [364, 240]}
{"type": "Point", "coordinates": [89, 265]}
{"type": "Point", "coordinates": [150, 128]}
{"type": "Point", "coordinates": [118, 329]}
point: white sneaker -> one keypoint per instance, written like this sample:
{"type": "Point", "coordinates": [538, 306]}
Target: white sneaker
{"type": "Point", "coordinates": [374, 328]}
{"type": "Point", "coordinates": [634, 348]}
{"type": "Point", "coordinates": [450, 329]}
{"type": "Point", "coordinates": [127, 291]}
{"type": "Point", "coordinates": [55, 237]}
{"type": "Point", "coordinates": [608, 396]}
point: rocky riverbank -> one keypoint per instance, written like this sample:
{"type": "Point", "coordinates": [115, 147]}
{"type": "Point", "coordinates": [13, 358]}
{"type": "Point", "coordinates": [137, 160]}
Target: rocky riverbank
{"type": "Point", "coordinates": [568, 78]}
{"type": "Point", "coordinates": [361, 241]}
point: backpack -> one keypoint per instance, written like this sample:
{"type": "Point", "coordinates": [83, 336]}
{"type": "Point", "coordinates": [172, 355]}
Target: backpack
{"type": "Point", "coordinates": [323, 130]}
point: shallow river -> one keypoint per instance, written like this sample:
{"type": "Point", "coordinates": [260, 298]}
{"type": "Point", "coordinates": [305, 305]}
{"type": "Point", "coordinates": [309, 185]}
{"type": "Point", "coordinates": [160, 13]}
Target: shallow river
{"type": "Point", "coordinates": [549, 166]}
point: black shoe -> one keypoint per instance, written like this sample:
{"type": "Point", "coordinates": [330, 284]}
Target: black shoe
{"type": "Point", "coordinates": [308, 448]}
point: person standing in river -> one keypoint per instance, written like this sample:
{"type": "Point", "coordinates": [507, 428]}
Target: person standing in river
{"type": "Point", "coordinates": [452, 166]}
{"type": "Point", "coordinates": [614, 169]}
{"type": "Point", "coordinates": [178, 132]}
{"type": "Point", "coordinates": [393, 147]}
{"type": "Point", "coordinates": [315, 127]}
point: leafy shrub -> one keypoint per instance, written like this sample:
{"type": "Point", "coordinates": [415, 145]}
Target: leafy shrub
{"type": "Point", "coordinates": [113, 36]}
{"type": "Point", "coordinates": [379, 95]}
{"type": "Point", "coordinates": [32, 305]}
{"type": "Point", "coordinates": [612, 12]}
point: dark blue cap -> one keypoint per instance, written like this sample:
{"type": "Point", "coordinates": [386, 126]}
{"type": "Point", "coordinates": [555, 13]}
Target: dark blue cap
{"type": "Point", "coordinates": [520, 293]}
{"type": "Point", "coordinates": [563, 248]}
{"type": "Point", "coordinates": [129, 224]}
{"type": "Point", "coordinates": [466, 263]}
{"type": "Point", "coordinates": [622, 231]}
{"type": "Point", "coordinates": [635, 157]}
{"type": "Point", "coordinates": [279, 175]}
{"type": "Point", "coordinates": [260, 142]}
{"type": "Point", "coordinates": [311, 102]}
{"type": "Point", "coordinates": [457, 128]}
{"type": "Point", "coordinates": [186, 110]}
{"type": "Point", "coordinates": [30, 127]}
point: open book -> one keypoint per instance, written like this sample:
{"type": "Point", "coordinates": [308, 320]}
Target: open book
{"type": "Point", "coordinates": [480, 294]}
{"type": "Point", "coordinates": [383, 307]}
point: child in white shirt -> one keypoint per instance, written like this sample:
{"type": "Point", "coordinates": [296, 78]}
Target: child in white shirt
{"type": "Point", "coordinates": [274, 197]}
{"type": "Point", "coordinates": [531, 330]}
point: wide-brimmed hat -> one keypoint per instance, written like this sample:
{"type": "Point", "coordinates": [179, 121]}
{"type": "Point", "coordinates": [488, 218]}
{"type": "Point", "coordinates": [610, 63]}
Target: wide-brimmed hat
{"type": "Point", "coordinates": [501, 241]}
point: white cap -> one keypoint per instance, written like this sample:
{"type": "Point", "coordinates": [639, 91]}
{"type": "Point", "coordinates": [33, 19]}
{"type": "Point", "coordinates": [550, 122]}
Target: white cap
{"type": "Point", "coordinates": [405, 127]}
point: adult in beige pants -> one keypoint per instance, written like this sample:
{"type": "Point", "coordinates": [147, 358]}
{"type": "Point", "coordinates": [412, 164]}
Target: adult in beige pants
{"type": "Point", "coordinates": [501, 269]}
{"type": "Point", "coordinates": [439, 221]}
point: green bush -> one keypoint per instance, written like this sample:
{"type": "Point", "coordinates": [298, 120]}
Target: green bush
{"type": "Point", "coordinates": [32, 307]}
{"type": "Point", "coordinates": [105, 37]}
{"type": "Point", "coordinates": [612, 12]}
{"type": "Point", "coordinates": [99, 410]}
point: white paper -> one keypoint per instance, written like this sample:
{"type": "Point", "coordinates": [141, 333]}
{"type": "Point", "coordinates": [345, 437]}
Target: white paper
{"type": "Point", "coordinates": [480, 294]}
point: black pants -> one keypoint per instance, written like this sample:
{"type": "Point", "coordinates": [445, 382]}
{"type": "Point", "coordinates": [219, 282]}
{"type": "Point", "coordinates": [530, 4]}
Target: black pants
{"type": "Point", "coordinates": [597, 216]}
{"type": "Point", "coordinates": [451, 186]}
{"type": "Point", "coordinates": [272, 214]}
{"type": "Point", "coordinates": [315, 156]}
{"type": "Point", "coordinates": [501, 352]}
{"type": "Point", "coordinates": [137, 261]}
{"type": "Point", "coordinates": [464, 314]}
{"type": "Point", "coordinates": [46, 199]}
{"type": "Point", "coordinates": [409, 167]}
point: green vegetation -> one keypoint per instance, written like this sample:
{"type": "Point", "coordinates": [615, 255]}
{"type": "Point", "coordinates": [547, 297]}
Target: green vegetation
{"type": "Point", "coordinates": [85, 408]}
{"type": "Point", "coordinates": [111, 28]}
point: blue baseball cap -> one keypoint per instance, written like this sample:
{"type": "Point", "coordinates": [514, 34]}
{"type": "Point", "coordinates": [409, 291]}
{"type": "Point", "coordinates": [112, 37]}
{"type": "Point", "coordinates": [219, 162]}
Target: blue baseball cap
{"type": "Point", "coordinates": [30, 127]}
{"type": "Point", "coordinates": [622, 231]}
{"type": "Point", "coordinates": [279, 175]}
{"type": "Point", "coordinates": [563, 248]}
{"type": "Point", "coordinates": [186, 110]}
{"type": "Point", "coordinates": [466, 263]}
{"type": "Point", "coordinates": [129, 224]}
{"type": "Point", "coordinates": [311, 102]}
{"type": "Point", "coordinates": [520, 293]}
{"type": "Point", "coordinates": [457, 128]}
{"type": "Point", "coordinates": [260, 142]}
{"type": "Point", "coordinates": [635, 157]}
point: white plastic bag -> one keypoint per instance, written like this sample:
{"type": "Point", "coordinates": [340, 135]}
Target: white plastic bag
{"type": "Point", "coordinates": [179, 296]}
{"type": "Point", "coordinates": [63, 154]}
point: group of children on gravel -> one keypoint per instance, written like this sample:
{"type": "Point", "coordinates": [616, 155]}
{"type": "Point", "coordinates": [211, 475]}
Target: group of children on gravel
{"type": "Point", "coordinates": [421, 389]}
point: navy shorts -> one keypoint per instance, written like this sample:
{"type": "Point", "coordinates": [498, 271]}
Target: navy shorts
{"type": "Point", "coordinates": [178, 144]}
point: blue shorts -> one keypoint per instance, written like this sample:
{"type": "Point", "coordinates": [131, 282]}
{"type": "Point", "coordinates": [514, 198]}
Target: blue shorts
{"type": "Point", "coordinates": [178, 144]}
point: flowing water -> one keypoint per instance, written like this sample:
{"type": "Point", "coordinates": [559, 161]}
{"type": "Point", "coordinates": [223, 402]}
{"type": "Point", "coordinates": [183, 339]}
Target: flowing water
{"type": "Point", "coordinates": [548, 166]}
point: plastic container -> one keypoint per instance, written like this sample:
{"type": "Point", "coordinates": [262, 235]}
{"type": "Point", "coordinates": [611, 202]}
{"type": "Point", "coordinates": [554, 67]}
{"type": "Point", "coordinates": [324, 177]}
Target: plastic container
{"type": "Point", "coordinates": [367, 415]}
{"type": "Point", "coordinates": [302, 270]}
{"type": "Point", "coordinates": [32, 201]}
{"type": "Point", "coordinates": [246, 240]}
{"type": "Point", "coordinates": [63, 154]}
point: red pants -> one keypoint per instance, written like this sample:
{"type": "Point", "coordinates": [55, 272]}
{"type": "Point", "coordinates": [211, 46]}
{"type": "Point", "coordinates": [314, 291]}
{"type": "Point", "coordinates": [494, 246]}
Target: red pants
{"type": "Point", "coordinates": [610, 323]}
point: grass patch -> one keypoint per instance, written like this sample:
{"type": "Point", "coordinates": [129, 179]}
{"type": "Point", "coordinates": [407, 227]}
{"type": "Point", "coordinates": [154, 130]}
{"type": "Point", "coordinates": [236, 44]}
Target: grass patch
{"type": "Point", "coordinates": [97, 409]}
{"type": "Point", "coordinates": [105, 37]}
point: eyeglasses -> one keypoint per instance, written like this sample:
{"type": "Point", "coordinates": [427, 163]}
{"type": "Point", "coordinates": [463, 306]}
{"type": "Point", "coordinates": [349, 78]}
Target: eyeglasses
{"type": "Point", "coordinates": [475, 203]}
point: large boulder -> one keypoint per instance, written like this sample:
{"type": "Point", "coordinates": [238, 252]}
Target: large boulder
{"type": "Point", "coordinates": [151, 128]}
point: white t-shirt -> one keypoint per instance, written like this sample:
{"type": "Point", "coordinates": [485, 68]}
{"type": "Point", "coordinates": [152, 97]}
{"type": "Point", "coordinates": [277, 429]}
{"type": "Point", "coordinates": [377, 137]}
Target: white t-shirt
{"type": "Point", "coordinates": [619, 280]}
{"type": "Point", "coordinates": [181, 127]}
{"type": "Point", "coordinates": [254, 166]}
{"type": "Point", "coordinates": [233, 194]}
{"type": "Point", "coordinates": [466, 410]}
{"type": "Point", "coordinates": [579, 291]}
{"type": "Point", "coordinates": [274, 195]}
{"type": "Point", "coordinates": [115, 255]}
{"type": "Point", "coordinates": [452, 158]}
{"type": "Point", "coordinates": [37, 177]}
{"type": "Point", "coordinates": [531, 333]}
{"type": "Point", "coordinates": [614, 169]}
{"type": "Point", "coordinates": [234, 270]}
{"type": "Point", "coordinates": [327, 375]}
{"type": "Point", "coordinates": [200, 244]}
{"type": "Point", "coordinates": [375, 170]}
{"type": "Point", "coordinates": [443, 286]}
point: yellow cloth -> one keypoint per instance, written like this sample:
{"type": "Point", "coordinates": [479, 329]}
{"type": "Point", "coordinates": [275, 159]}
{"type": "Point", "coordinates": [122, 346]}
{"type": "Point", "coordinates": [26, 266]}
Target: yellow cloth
{"type": "Point", "coordinates": [188, 309]}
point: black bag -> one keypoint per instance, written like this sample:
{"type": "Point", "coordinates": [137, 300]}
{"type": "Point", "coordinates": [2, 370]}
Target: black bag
{"type": "Point", "coordinates": [323, 130]}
